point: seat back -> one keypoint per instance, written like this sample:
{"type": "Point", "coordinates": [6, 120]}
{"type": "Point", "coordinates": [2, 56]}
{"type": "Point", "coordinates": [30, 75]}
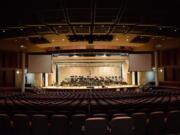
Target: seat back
{"type": "Point", "coordinates": [59, 125]}
{"type": "Point", "coordinates": [78, 122]}
{"type": "Point", "coordinates": [139, 120]}
{"type": "Point", "coordinates": [21, 124]}
{"type": "Point", "coordinates": [96, 126]}
{"type": "Point", "coordinates": [39, 124]}
{"type": "Point", "coordinates": [156, 123]}
{"type": "Point", "coordinates": [5, 126]}
{"type": "Point", "coordinates": [122, 126]}
{"type": "Point", "coordinates": [173, 121]}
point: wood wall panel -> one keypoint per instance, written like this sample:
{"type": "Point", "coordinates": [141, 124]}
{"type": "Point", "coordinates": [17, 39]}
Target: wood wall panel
{"type": "Point", "coordinates": [170, 60]}
{"type": "Point", "coordinates": [10, 78]}
{"type": "Point", "coordinates": [1, 78]}
{"type": "Point", "coordinates": [9, 62]}
{"type": "Point", "coordinates": [177, 74]}
{"type": "Point", "coordinates": [169, 72]}
{"type": "Point", "coordinates": [178, 57]}
{"type": "Point", "coordinates": [1, 59]}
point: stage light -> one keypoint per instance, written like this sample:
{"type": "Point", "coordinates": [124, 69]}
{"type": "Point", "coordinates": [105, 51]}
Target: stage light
{"type": "Point", "coordinates": [75, 55]}
{"type": "Point", "coordinates": [104, 55]}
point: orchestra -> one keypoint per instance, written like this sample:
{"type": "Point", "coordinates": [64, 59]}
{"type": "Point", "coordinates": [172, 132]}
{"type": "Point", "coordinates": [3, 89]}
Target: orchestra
{"type": "Point", "coordinates": [92, 81]}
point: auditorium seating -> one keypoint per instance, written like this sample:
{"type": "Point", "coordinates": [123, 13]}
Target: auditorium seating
{"type": "Point", "coordinates": [156, 123]}
{"type": "Point", "coordinates": [121, 125]}
{"type": "Point", "coordinates": [89, 102]}
{"type": "Point", "coordinates": [140, 122]}
{"type": "Point", "coordinates": [59, 125]}
{"type": "Point", "coordinates": [96, 126]}
{"type": "Point", "coordinates": [78, 112]}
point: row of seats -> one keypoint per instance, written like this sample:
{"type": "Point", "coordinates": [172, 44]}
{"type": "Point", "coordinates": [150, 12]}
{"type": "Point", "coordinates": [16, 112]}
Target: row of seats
{"type": "Point", "coordinates": [90, 102]}
{"type": "Point", "coordinates": [157, 123]}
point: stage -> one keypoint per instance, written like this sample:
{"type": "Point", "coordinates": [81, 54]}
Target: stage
{"type": "Point", "coordinates": [90, 87]}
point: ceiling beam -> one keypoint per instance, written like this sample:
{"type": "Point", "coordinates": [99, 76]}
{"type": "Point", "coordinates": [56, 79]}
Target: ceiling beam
{"type": "Point", "coordinates": [119, 15]}
{"type": "Point", "coordinates": [66, 16]}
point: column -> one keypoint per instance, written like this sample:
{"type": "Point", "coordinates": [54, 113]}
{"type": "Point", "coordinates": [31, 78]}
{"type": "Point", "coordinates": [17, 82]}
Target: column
{"type": "Point", "coordinates": [133, 78]}
{"type": "Point", "coordinates": [23, 72]}
{"type": "Point", "coordinates": [46, 80]}
{"type": "Point", "coordinates": [156, 68]}
{"type": "Point", "coordinates": [57, 75]}
{"type": "Point", "coordinates": [139, 78]}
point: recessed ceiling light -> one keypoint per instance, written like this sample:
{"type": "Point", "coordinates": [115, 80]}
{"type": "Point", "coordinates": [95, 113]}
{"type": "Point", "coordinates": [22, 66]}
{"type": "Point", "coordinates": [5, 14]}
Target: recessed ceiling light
{"type": "Point", "coordinates": [117, 39]}
{"type": "Point", "coordinates": [63, 39]}
{"type": "Point", "coordinates": [39, 27]}
{"type": "Point", "coordinates": [175, 30]}
{"type": "Point", "coordinates": [160, 28]}
{"type": "Point", "coordinates": [52, 40]}
{"type": "Point", "coordinates": [127, 39]}
{"type": "Point", "coordinates": [3, 31]}
{"type": "Point", "coordinates": [59, 26]}
{"type": "Point", "coordinates": [21, 29]}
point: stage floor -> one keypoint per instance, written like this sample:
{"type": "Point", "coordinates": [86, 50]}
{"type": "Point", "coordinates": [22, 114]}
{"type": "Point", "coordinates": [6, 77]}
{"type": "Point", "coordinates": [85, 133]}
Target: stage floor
{"type": "Point", "coordinates": [94, 87]}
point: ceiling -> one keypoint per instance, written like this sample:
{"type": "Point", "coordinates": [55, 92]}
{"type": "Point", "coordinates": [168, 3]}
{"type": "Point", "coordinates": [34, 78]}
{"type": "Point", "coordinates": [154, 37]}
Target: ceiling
{"type": "Point", "coordinates": [56, 20]}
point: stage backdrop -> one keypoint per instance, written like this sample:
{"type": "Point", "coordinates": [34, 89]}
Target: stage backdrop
{"type": "Point", "coordinates": [88, 71]}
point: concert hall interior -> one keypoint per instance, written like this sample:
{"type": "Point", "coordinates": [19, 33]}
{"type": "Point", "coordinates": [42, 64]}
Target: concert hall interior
{"type": "Point", "coordinates": [89, 67]}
